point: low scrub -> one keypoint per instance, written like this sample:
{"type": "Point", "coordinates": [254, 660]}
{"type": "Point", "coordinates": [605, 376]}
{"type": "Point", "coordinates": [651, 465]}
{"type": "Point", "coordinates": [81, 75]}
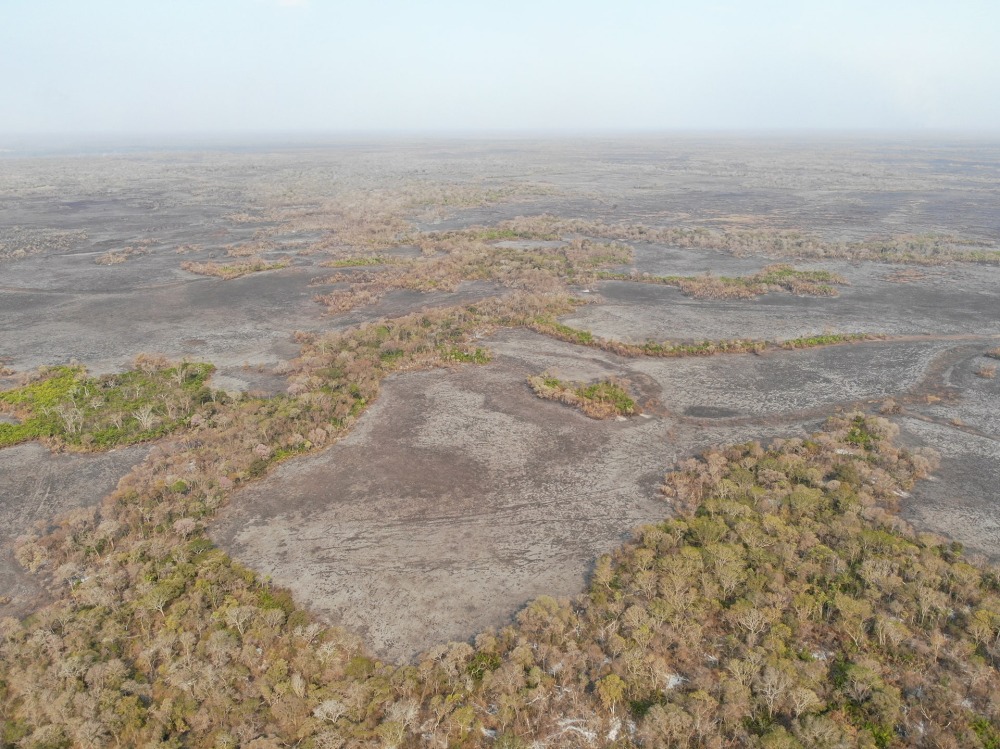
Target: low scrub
{"type": "Point", "coordinates": [361, 261]}
{"type": "Point", "coordinates": [604, 399]}
{"type": "Point", "coordinates": [228, 271]}
{"type": "Point", "coordinates": [457, 257]}
{"type": "Point", "coordinates": [916, 249]}
{"type": "Point", "coordinates": [116, 257]}
{"type": "Point", "coordinates": [779, 277]}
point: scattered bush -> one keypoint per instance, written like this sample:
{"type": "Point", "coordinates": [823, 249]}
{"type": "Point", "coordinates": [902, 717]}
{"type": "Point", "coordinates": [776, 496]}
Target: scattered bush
{"type": "Point", "coordinates": [228, 271]}
{"type": "Point", "coordinates": [600, 400]}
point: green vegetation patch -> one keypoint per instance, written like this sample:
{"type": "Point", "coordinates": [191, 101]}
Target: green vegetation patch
{"type": "Point", "coordinates": [66, 405]}
{"type": "Point", "coordinates": [507, 234]}
{"type": "Point", "coordinates": [547, 325]}
{"type": "Point", "coordinates": [826, 339]}
{"type": "Point", "coordinates": [599, 400]}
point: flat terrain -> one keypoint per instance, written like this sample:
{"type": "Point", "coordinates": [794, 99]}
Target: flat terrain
{"type": "Point", "coordinates": [459, 495]}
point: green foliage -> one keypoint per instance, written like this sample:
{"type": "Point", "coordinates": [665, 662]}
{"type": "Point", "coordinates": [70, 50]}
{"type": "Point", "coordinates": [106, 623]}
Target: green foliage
{"type": "Point", "coordinates": [475, 356]}
{"type": "Point", "coordinates": [497, 234]}
{"type": "Point", "coordinates": [988, 733]}
{"type": "Point", "coordinates": [610, 393]}
{"type": "Point", "coordinates": [599, 400]}
{"type": "Point", "coordinates": [549, 326]}
{"type": "Point", "coordinates": [482, 663]}
{"type": "Point", "coordinates": [860, 436]}
{"type": "Point", "coordinates": [825, 339]}
{"type": "Point", "coordinates": [667, 349]}
{"type": "Point", "coordinates": [104, 412]}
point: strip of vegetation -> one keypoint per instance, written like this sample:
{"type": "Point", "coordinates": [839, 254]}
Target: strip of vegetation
{"type": "Point", "coordinates": [604, 399]}
{"type": "Point", "coordinates": [65, 406]}
{"type": "Point", "coordinates": [360, 261]}
{"type": "Point", "coordinates": [507, 234]}
{"type": "Point", "coordinates": [772, 278]}
{"type": "Point", "coordinates": [827, 339]}
{"type": "Point", "coordinates": [548, 326]}
{"type": "Point", "coordinates": [229, 271]}
{"type": "Point", "coordinates": [918, 249]}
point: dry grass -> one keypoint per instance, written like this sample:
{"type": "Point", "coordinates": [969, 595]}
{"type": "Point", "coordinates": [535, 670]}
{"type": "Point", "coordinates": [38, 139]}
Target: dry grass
{"type": "Point", "coordinates": [779, 277]}
{"type": "Point", "coordinates": [906, 275]}
{"type": "Point", "coordinates": [987, 371]}
{"type": "Point", "coordinates": [116, 257]}
{"type": "Point", "coordinates": [228, 271]}
{"type": "Point", "coordinates": [915, 249]}
{"type": "Point", "coordinates": [450, 259]}
{"type": "Point", "coordinates": [360, 261]}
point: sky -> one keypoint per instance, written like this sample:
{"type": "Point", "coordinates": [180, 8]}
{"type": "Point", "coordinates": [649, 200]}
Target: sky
{"type": "Point", "coordinates": [398, 66]}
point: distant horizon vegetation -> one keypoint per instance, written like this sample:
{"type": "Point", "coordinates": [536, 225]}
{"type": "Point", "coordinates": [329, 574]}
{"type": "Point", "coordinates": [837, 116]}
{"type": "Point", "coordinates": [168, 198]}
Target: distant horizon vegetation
{"type": "Point", "coordinates": [86, 143]}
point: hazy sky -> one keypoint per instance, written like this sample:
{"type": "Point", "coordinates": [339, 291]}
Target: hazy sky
{"type": "Point", "coordinates": [153, 66]}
